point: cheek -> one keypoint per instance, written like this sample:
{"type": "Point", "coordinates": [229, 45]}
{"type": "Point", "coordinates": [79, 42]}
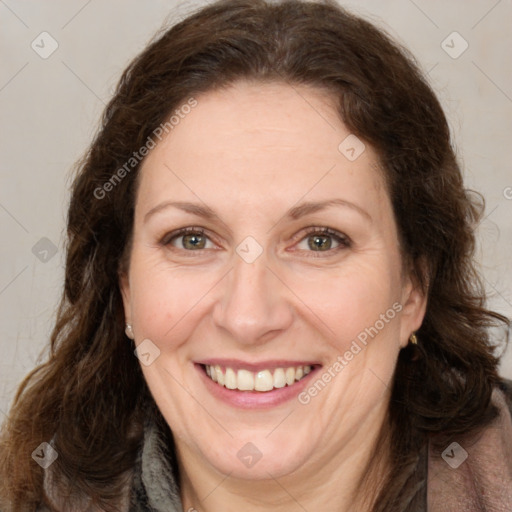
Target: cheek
{"type": "Point", "coordinates": [166, 302]}
{"type": "Point", "coordinates": [345, 303]}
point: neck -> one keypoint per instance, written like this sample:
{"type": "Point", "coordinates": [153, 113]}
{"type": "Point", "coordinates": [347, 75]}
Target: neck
{"type": "Point", "coordinates": [349, 481]}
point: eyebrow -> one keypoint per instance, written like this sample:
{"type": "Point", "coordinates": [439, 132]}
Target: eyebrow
{"type": "Point", "coordinates": [294, 213]}
{"type": "Point", "coordinates": [315, 206]}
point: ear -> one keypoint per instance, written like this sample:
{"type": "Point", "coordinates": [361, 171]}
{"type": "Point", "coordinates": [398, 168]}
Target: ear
{"type": "Point", "coordinates": [414, 302]}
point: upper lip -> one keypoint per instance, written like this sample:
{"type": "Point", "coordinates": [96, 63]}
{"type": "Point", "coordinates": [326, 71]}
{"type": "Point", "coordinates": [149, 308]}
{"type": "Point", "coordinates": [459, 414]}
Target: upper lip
{"type": "Point", "coordinates": [238, 364]}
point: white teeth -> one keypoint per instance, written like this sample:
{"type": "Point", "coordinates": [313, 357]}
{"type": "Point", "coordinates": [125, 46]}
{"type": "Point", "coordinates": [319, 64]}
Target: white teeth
{"type": "Point", "coordinates": [219, 374]}
{"type": "Point", "coordinates": [279, 378]}
{"type": "Point", "coordinates": [264, 380]}
{"type": "Point", "coordinates": [290, 376]}
{"type": "Point", "coordinates": [245, 380]}
{"type": "Point", "coordinates": [230, 379]}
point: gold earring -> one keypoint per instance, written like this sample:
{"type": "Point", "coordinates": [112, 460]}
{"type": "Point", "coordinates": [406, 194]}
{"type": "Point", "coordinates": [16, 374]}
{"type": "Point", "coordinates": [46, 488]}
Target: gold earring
{"type": "Point", "coordinates": [413, 339]}
{"type": "Point", "coordinates": [129, 331]}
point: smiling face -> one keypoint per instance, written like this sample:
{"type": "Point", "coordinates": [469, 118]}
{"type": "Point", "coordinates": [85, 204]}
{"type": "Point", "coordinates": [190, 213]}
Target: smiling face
{"type": "Point", "coordinates": [268, 284]}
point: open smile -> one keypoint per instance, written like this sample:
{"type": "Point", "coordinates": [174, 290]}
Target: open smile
{"type": "Point", "coordinates": [263, 380]}
{"type": "Point", "coordinates": [255, 386]}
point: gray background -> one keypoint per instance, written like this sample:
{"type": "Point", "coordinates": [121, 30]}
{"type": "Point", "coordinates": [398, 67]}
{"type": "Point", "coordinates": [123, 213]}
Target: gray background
{"type": "Point", "coordinates": [50, 109]}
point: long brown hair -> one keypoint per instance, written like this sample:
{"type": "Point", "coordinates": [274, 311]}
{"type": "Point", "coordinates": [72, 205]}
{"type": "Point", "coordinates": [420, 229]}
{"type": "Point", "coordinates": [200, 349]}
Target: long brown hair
{"type": "Point", "coordinates": [89, 396]}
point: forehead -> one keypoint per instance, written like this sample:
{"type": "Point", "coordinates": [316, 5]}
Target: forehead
{"type": "Point", "coordinates": [261, 142]}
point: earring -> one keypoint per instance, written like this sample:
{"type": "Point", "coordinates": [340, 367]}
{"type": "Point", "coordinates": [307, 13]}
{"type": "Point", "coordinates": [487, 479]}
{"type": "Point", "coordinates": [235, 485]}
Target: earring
{"type": "Point", "coordinates": [413, 339]}
{"type": "Point", "coordinates": [129, 331]}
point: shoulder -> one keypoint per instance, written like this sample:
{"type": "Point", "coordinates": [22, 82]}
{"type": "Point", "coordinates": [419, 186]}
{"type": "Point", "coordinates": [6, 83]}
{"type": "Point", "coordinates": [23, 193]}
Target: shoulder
{"type": "Point", "coordinates": [474, 473]}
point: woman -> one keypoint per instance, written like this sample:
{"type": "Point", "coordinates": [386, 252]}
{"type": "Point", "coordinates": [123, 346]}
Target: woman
{"type": "Point", "coordinates": [270, 299]}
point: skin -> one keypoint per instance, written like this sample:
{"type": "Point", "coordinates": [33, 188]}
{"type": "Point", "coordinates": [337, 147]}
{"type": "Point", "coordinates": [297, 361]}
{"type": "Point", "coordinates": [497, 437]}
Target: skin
{"type": "Point", "coordinates": [251, 152]}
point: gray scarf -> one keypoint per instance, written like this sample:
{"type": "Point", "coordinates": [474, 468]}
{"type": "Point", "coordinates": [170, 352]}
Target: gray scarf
{"type": "Point", "coordinates": [155, 480]}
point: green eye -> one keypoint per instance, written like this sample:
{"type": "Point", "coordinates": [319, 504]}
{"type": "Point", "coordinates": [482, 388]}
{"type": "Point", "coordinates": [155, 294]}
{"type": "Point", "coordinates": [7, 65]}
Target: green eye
{"type": "Point", "coordinates": [191, 239]}
{"type": "Point", "coordinates": [321, 240]}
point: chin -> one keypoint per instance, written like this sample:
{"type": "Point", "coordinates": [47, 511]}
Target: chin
{"type": "Point", "coordinates": [259, 459]}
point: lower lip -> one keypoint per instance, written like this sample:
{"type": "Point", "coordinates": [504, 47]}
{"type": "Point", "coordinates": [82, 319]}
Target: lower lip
{"type": "Point", "coordinates": [254, 399]}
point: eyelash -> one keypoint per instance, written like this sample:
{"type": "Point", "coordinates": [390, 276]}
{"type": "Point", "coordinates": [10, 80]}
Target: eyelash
{"type": "Point", "coordinates": [343, 240]}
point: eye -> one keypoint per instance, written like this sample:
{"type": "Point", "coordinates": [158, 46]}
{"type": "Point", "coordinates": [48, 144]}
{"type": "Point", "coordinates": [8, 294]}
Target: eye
{"type": "Point", "coordinates": [321, 240]}
{"type": "Point", "coordinates": [187, 239]}
{"type": "Point", "coordinates": [317, 240]}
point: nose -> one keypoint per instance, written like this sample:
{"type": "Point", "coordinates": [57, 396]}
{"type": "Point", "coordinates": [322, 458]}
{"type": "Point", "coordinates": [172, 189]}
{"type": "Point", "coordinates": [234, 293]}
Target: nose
{"type": "Point", "coordinates": [254, 305]}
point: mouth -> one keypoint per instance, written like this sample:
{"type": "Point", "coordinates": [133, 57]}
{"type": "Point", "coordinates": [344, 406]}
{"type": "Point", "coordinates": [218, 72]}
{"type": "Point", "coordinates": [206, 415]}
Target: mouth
{"type": "Point", "coordinates": [263, 380]}
{"type": "Point", "coordinates": [255, 386]}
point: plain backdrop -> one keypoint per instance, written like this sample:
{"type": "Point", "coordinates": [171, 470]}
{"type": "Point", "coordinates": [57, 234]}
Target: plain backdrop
{"type": "Point", "coordinates": [51, 104]}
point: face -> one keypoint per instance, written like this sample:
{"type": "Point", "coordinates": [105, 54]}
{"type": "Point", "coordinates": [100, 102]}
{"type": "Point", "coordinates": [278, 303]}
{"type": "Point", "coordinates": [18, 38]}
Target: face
{"type": "Point", "coordinates": [287, 285]}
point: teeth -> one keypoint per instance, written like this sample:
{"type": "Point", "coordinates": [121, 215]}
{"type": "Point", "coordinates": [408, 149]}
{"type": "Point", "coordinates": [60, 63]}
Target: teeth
{"type": "Point", "coordinates": [264, 380]}
{"type": "Point", "coordinates": [230, 379]}
{"type": "Point", "coordinates": [219, 374]}
{"type": "Point", "coordinates": [279, 378]}
{"type": "Point", "coordinates": [245, 380]}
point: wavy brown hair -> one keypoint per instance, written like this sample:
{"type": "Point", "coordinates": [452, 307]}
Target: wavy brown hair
{"type": "Point", "coordinates": [89, 396]}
